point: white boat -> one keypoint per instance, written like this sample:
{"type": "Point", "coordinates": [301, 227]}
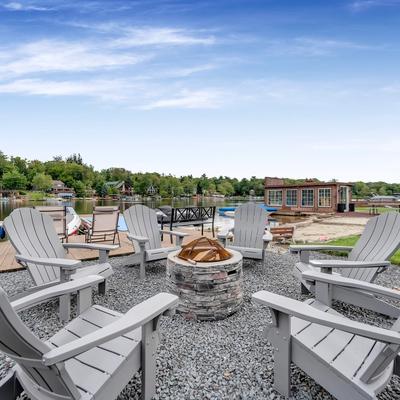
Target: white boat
{"type": "Point", "coordinates": [73, 221]}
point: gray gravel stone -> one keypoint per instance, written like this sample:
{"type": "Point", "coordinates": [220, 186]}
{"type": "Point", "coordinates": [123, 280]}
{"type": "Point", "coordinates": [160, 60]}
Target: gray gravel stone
{"type": "Point", "coordinates": [226, 359]}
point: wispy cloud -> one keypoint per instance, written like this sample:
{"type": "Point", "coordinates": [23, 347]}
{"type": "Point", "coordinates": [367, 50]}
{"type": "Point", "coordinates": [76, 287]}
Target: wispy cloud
{"type": "Point", "coordinates": [362, 5]}
{"type": "Point", "coordinates": [130, 93]}
{"type": "Point", "coordinates": [161, 36]}
{"type": "Point", "coordinates": [210, 98]}
{"type": "Point", "coordinates": [309, 46]}
{"type": "Point", "coordinates": [128, 36]}
{"type": "Point", "coordinates": [15, 6]}
{"type": "Point", "coordinates": [102, 89]}
{"type": "Point", "coordinates": [54, 56]}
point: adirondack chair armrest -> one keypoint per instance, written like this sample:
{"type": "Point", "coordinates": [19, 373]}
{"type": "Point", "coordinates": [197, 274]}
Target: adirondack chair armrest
{"type": "Point", "coordinates": [91, 246]}
{"type": "Point", "coordinates": [139, 239]}
{"type": "Point", "coordinates": [348, 264]}
{"type": "Point", "coordinates": [298, 248]}
{"type": "Point", "coordinates": [291, 307]}
{"type": "Point", "coordinates": [63, 263]}
{"type": "Point", "coordinates": [267, 237]}
{"type": "Point", "coordinates": [137, 316]}
{"type": "Point", "coordinates": [338, 280]}
{"type": "Point", "coordinates": [174, 233]}
{"type": "Point", "coordinates": [225, 234]}
{"type": "Point", "coordinates": [178, 235]}
{"type": "Point", "coordinates": [56, 291]}
{"type": "Point", "coordinates": [104, 249]}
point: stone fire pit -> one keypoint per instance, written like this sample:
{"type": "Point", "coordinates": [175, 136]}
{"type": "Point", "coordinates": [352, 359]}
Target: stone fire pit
{"type": "Point", "coordinates": [207, 290]}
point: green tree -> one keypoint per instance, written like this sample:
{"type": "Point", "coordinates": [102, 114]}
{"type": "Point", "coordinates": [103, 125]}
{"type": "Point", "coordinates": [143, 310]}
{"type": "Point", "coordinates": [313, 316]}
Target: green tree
{"type": "Point", "coordinates": [42, 182]}
{"type": "Point", "coordinates": [14, 180]}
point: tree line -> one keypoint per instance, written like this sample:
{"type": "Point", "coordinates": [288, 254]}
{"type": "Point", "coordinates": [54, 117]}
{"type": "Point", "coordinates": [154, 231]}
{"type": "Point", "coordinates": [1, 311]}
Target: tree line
{"type": "Point", "coordinates": [20, 174]}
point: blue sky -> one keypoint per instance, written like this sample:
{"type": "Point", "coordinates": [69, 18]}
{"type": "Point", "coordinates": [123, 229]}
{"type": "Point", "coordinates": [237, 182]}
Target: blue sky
{"type": "Point", "coordinates": [289, 88]}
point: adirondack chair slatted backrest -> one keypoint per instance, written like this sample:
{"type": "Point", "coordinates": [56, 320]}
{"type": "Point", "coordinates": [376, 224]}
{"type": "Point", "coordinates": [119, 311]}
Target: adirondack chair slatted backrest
{"type": "Point", "coordinates": [249, 225]}
{"type": "Point", "coordinates": [379, 241]}
{"type": "Point", "coordinates": [21, 345]}
{"type": "Point", "coordinates": [33, 234]}
{"type": "Point", "coordinates": [105, 220]}
{"type": "Point", "coordinates": [380, 357]}
{"type": "Point", "coordinates": [142, 221]}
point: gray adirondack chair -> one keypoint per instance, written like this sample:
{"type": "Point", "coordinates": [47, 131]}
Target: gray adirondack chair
{"type": "Point", "coordinates": [369, 257]}
{"type": "Point", "coordinates": [249, 236]}
{"type": "Point", "coordinates": [351, 360]}
{"type": "Point", "coordinates": [104, 225]}
{"type": "Point", "coordinates": [39, 249]}
{"type": "Point", "coordinates": [145, 235]}
{"type": "Point", "coordinates": [93, 357]}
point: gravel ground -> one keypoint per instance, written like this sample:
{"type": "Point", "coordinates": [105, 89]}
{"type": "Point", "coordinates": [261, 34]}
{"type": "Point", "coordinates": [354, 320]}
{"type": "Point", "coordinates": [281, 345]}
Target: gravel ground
{"type": "Point", "coordinates": [226, 359]}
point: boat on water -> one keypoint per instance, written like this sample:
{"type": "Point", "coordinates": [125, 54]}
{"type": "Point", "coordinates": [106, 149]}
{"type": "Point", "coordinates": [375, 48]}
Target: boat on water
{"type": "Point", "coordinates": [73, 221]}
{"type": "Point", "coordinates": [230, 211]}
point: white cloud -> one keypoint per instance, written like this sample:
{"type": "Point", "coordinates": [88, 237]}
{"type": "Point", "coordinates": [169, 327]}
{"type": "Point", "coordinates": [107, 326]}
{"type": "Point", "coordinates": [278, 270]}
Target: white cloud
{"type": "Point", "coordinates": [189, 99]}
{"type": "Point", "coordinates": [161, 36]}
{"type": "Point", "coordinates": [51, 56]}
{"type": "Point", "coordinates": [114, 90]}
{"type": "Point", "coordinates": [362, 5]}
{"type": "Point", "coordinates": [15, 6]}
{"type": "Point", "coordinates": [308, 46]}
{"type": "Point", "coordinates": [130, 36]}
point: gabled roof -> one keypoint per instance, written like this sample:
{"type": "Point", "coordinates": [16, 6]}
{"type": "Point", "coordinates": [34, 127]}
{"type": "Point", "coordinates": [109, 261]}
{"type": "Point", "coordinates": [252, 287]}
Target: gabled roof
{"type": "Point", "coordinates": [116, 184]}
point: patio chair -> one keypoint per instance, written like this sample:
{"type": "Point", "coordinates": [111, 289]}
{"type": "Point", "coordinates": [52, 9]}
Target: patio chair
{"type": "Point", "coordinates": [351, 360]}
{"type": "Point", "coordinates": [59, 217]}
{"type": "Point", "coordinates": [39, 249]}
{"type": "Point", "coordinates": [145, 235]}
{"type": "Point", "coordinates": [93, 357]}
{"type": "Point", "coordinates": [369, 257]}
{"type": "Point", "coordinates": [104, 225]}
{"type": "Point", "coordinates": [249, 236]}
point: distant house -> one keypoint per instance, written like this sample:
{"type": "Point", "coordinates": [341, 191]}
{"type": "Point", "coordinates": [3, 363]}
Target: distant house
{"type": "Point", "coordinates": [120, 187]}
{"type": "Point", "coordinates": [61, 190]}
{"type": "Point", "coordinates": [309, 196]}
{"type": "Point", "coordinates": [384, 199]}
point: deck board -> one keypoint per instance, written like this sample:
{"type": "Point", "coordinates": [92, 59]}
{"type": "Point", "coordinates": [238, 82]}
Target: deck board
{"type": "Point", "coordinates": [7, 253]}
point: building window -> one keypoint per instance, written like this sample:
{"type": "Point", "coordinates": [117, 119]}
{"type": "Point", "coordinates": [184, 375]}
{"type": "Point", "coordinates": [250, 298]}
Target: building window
{"type": "Point", "coordinates": [291, 197]}
{"type": "Point", "coordinates": [275, 197]}
{"type": "Point", "coordinates": [307, 198]}
{"type": "Point", "coordinates": [324, 197]}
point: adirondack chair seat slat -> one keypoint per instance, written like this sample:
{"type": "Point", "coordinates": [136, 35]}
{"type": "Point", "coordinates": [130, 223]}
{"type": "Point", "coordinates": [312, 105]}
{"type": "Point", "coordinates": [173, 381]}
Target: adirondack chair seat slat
{"type": "Point", "coordinates": [105, 270]}
{"type": "Point", "coordinates": [248, 252]}
{"type": "Point", "coordinates": [159, 254]}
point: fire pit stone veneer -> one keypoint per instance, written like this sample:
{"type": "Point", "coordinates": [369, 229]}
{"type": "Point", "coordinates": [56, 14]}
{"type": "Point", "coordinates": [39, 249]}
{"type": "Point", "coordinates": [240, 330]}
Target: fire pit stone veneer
{"type": "Point", "coordinates": [207, 290]}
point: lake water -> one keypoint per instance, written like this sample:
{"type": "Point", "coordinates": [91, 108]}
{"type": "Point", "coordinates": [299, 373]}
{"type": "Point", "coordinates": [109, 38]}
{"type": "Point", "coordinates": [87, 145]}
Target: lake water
{"type": "Point", "coordinates": [82, 206]}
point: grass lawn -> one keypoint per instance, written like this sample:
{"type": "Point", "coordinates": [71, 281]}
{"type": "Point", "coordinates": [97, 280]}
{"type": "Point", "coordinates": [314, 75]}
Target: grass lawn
{"type": "Point", "coordinates": [351, 241]}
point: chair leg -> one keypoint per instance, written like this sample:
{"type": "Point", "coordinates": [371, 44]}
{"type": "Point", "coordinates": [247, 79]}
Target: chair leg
{"type": "Point", "coordinates": [10, 388]}
{"type": "Point", "coordinates": [149, 347]}
{"type": "Point", "coordinates": [279, 336]}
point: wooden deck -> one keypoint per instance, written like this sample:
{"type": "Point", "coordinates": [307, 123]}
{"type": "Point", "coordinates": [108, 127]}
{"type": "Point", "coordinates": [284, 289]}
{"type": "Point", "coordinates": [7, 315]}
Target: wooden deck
{"type": "Point", "coordinates": [7, 253]}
